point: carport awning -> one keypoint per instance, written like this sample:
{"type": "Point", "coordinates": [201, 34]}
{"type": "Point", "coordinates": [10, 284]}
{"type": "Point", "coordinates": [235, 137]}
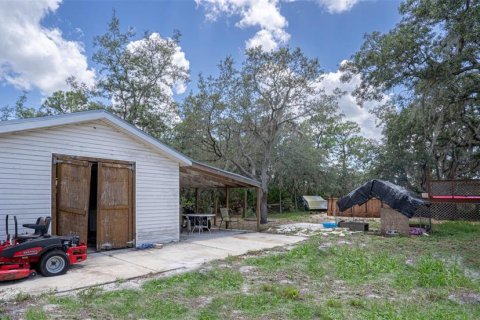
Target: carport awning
{"type": "Point", "coordinates": [200, 175]}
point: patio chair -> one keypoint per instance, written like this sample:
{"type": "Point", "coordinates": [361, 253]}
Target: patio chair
{"type": "Point", "coordinates": [227, 217]}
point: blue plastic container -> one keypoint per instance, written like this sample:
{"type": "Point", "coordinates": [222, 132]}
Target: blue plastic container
{"type": "Point", "coordinates": [329, 224]}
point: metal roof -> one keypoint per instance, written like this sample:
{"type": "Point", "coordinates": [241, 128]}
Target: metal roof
{"type": "Point", "coordinates": [200, 175]}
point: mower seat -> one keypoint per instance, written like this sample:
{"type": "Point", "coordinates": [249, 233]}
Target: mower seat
{"type": "Point", "coordinates": [40, 227]}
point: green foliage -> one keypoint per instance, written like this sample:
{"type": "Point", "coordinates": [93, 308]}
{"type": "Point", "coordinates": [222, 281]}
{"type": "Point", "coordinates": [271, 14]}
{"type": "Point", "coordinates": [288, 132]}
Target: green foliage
{"type": "Point", "coordinates": [22, 296]}
{"type": "Point", "coordinates": [304, 257]}
{"type": "Point", "coordinates": [458, 229]}
{"type": "Point", "coordinates": [167, 310]}
{"type": "Point", "coordinates": [435, 273]}
{"type": "Point", "coordinates": [89, 294]}
{"type": "Point", "coordinates": [66, 303]}
{"type": "Point", "coordinates": [395, 310]}
{"type": "Point", "coordinates": [334, 303]}
{"type": "Point", "coordinates": [78, 98]}
{"type": "Point", "coordinates": [429, 272]}
{"type": "Point", "coordinates": [358, 266]}
{"type": "Point", "coordinates": [287, 204]}
{"type": "Point", "coordinates": [286, 292]}
{"type": "Point", "coordinates": [306, 311]}
{"type": "Point", "coordinates": [197, 284]}
{"type": "Point", "coordinates": [429, 66]}
{"type": "Point", "coordinates": [19, 111]}
{"type": "Point", "coordinates": [257, 304]}
{"type": "Point", "coordinates": [34, 314]}
{"type": "Point", "coordinates": [138, 75]}
{"type": "Point", "coordinates": [291, 216]}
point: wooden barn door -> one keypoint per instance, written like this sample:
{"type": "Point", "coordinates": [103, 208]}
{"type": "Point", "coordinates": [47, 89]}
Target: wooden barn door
{"type": "Point", "coordinates": [73, 190]}
{"type": "Point", "coordinates": [115, 225]}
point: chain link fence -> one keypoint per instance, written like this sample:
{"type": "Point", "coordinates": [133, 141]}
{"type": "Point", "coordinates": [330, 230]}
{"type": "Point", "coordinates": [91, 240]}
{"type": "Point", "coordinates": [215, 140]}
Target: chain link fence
{"type": "Point", "coordinates": [465, 195]}
{"type": "Point", "coordinates": [455, 211]}
{"type": "Point", "coordinates": [467, 188]}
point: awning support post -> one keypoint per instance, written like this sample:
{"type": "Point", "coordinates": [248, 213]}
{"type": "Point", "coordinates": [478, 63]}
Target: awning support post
{"type": "Point", "coordinates": [196, 200]}
{"type": "Point", "coordinates": [215, 208]}
{"type": "Point", "coordinates": [245, 203]}
{"type": "Point", "coordinates": [259, 201]}
{"type": "Point", "coordinates": [227, 197]}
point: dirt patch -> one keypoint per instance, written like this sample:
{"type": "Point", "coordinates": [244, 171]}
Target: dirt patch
{"type": "Point", "coordinates": [465, 297]}
{"type": "Point", "coordinates": [247, 269]}
{"type": "Point", "coordinates": [298, 229]}
{"type": "Point", "coordinates": [275, 220]}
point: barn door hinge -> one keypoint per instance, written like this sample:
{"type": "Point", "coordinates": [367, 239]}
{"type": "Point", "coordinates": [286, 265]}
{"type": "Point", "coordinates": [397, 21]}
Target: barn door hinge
{"type": "Point", "coordinates": [57, 161]}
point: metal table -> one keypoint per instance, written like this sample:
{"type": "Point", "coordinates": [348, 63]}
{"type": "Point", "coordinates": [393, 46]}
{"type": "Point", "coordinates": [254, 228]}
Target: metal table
{"type": "Point", "coordinates": [200, 221]}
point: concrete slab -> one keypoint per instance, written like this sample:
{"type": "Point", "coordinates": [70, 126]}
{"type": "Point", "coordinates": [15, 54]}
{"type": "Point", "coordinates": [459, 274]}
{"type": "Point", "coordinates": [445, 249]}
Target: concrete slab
{"type": "Point", "coordinates": [107, 267]}
{"type": "Point", "coordinates": [249, 242]}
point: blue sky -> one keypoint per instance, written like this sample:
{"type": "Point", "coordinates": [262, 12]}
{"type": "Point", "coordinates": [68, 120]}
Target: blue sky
{"type": "Point", "coordinates": [331, 30]}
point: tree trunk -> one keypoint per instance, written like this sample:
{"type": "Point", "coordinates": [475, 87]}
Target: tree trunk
{"type": "Point", "coordinates": [264, 207]}
{"type": "Point", "coordinates": [295, 198]}
{"type": "Point", "coordinates": [280, 200]}
{"type": "Point", "coordinates": [264, 181]}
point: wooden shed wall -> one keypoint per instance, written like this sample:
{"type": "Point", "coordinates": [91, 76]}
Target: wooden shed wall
{"type": "Point", "coordinates": [25, 174]}
{"type": "Point", "coordinates": [370, 209]}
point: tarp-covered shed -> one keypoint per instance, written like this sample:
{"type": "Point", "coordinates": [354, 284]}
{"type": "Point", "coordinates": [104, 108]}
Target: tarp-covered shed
{"type": "Point", "coordinates": [396, 197]}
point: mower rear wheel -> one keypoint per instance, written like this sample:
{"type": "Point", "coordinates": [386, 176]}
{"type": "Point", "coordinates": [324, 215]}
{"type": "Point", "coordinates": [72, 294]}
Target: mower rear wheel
{"type": "Point", "coordinates": [54, 263]}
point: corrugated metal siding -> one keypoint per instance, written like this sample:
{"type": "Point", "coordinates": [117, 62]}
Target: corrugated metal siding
{"type": "Point", "coordinates": [25, 175]}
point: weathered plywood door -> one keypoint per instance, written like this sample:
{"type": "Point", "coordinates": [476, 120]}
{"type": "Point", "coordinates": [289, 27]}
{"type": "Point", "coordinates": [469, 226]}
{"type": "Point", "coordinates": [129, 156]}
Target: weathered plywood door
{"type": "Point", "coordinates": [73, 191]}
{"type": "Point", "coordinates": [115, 205]}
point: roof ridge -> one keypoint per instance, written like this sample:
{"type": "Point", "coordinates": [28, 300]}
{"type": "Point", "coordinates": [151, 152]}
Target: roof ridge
{"type": "Point", "coordinates": [11, 126]}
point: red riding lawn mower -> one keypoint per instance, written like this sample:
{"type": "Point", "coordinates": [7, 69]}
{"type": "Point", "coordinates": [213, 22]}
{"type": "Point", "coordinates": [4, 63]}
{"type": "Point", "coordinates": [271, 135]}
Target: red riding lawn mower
{"type": "Point", "coordinates": [21, 256]}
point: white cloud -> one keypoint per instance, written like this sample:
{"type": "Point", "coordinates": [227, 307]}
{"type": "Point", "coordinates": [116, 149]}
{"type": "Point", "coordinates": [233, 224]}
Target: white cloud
{"type": "Point", "coordinates": [264, 14]}
{"type": "Point", "coordinates": [268, 40]}
{"type": "Point", "coordinates": [349, 107]}
{"type": "Point", "coordinates": [337, 6]}
{"type": "Point", "coordinates": [32, 55]}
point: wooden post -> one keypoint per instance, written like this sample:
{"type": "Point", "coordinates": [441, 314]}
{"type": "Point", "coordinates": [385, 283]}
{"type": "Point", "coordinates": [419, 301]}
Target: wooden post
{"type": "Point", "coordinates": [245, 203]}
{"type": "Point", "coordinates": [196, 200]}
{"type": "Point", "coordinates": [227, 200]}
{"type": "Point", "coordinates": [215, 209]}
{"type": "Point", "coordinates": [335, 210]}
{"type": "Point", "coordinates": [227, 197]}
{"type": "Point", "coordinates": [259, 201]}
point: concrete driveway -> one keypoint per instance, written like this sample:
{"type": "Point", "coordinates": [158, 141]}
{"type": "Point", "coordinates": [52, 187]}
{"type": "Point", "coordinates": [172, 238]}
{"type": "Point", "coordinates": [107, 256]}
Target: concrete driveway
{"type": "Point", "coordinates": [106, 267]}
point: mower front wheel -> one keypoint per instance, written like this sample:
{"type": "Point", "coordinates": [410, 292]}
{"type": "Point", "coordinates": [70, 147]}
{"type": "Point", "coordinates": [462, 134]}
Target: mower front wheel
{"type": "Point", "coordinates": [54, 263]}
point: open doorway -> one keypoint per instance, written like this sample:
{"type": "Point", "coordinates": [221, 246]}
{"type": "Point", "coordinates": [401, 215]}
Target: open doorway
{"type": "Point", "coordinates": [92, 207]}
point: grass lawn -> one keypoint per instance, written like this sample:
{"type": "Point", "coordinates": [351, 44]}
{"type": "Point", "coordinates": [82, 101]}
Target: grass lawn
{"type": "Point", "coordinates": [292, 216]}
{"type": "Point", "coordinates": [354, 277]}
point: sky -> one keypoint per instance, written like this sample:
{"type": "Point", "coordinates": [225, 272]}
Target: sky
{"type": "Point", "coordinates": [43, 42]}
